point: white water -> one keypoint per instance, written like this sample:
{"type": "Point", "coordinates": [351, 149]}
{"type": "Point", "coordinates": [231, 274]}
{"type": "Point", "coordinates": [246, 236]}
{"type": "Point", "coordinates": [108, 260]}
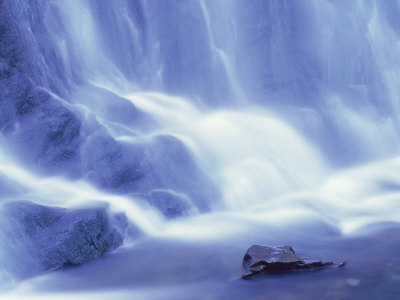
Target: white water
{"type": "Point", "coordinates": [292, 110]}
{"type": "Point", "coordinates": [267, 173]}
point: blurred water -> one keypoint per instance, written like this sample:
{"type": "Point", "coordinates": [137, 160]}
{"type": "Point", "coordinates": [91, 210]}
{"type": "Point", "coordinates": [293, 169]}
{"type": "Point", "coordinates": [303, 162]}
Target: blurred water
{"type": "Point", "coordinates": [277, 120]}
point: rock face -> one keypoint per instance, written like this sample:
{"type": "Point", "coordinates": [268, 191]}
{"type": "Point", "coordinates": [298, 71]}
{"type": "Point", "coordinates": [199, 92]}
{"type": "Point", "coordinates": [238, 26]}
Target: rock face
{"type": "Point", "coordinates": [55, 122]}
{"type": "Point", "coordinates": [264, 259]}
{"type": "Point", "coordinates": [60, 237]}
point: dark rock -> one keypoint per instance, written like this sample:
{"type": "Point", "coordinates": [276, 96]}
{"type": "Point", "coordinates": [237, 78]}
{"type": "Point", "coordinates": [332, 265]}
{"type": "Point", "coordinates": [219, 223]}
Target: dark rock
{"type": "Point", "coordinates": [62, 237]}
{"type": "Point", "coordinates": [264, 259]}
{"type": "Point", "coordinates": [50, 131]}
{"type": "Point", "coordinates": [29, 99]}
{"type": "Point", "coordinates": [5, 68]}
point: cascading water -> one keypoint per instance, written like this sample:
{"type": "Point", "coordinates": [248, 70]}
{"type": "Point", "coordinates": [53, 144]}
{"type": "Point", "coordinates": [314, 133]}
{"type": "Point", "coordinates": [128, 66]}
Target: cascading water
{"type": "Point", "coordinates": [209, 123]}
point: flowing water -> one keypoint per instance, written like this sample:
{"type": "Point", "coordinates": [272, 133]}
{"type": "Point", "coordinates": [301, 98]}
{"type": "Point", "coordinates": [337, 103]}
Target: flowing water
{"type": "Point", "coordinates": [275, 122]}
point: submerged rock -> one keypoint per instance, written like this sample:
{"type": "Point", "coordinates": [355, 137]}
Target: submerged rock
{"type": "Point", "coordinates": [264, 259]}
{"type": "Point", "coordinates": [61, 237]}
{"type": "Point", "coordinates": [171, 204]}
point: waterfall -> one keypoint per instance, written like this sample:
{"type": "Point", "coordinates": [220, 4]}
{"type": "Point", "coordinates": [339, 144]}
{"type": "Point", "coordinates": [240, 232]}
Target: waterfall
{"type": "Point", "coordinates": [222, 114]}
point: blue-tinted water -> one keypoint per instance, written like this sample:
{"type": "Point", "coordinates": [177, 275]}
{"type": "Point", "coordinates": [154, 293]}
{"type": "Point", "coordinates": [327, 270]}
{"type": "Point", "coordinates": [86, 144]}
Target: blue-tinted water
{"type": "Point", "coordinates": [252, 122]}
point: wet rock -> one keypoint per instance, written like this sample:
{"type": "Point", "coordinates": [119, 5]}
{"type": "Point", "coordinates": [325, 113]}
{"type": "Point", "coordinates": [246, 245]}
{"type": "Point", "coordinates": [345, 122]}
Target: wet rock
{"type": "Point", "coordinates": [162, 163]}
{"type": "Point", "coordinates": [171, 204]}
{"type": "Point", "coordinates": [57, 124]}
{"type": "Point", "coordinates": [52, 134]}
{"type": "Point", "coordinates": [5, 69]}
{"type": "Point", "coordinates": [264, 259]}
{"type": "Point", "coordinates": [61, 237]}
